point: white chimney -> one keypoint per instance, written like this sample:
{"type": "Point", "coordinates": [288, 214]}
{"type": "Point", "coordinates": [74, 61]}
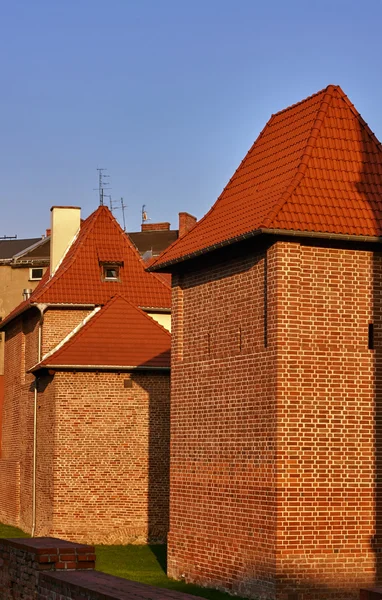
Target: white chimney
{"type": "Point", "coordinates": [65, 224]}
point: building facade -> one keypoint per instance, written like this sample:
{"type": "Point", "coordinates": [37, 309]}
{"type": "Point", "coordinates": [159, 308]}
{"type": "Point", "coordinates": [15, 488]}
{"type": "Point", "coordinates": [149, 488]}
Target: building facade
{"type": "Point", "coordinates": [85, 428]}
{"type": "Point", "coordinates": [276, 343]}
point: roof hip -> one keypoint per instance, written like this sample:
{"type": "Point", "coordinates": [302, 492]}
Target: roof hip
{"type": "Point", "coordinates": [305, 157]}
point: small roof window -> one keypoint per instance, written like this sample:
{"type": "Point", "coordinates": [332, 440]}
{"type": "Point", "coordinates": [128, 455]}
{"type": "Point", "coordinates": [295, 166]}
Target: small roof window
{"type": "Point", "coordinates": [110, 271]}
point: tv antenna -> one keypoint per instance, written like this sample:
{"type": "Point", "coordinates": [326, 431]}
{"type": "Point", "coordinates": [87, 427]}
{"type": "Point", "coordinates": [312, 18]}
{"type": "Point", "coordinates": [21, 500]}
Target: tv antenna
{"type": "Point", "coordinates": [122, 207]}
{"type": "Point", "coordinates": [8, 237]}
{"type": "Point", "coordinates": [102, 184]}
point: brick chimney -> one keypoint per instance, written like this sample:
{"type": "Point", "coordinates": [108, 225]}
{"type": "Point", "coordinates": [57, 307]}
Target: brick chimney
{"type": "Point", "coordinates": [65, 224]}
{"type": "Point", "coordinates": [186, 223]}
{"type": "Point", "coordinates": [155, 226]}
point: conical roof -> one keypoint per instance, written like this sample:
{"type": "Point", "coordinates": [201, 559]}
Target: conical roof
{"type": "Point", "coordinates": [316, 167]}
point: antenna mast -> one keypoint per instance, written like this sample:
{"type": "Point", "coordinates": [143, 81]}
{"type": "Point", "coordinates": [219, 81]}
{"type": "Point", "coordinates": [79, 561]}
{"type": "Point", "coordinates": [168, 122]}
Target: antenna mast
{"type": "Point", "coordinates": [102, 185]}
{"type": "Point", "coordinates": [123, 206]}
{"type": "Point", "coordinates": [113, 207]}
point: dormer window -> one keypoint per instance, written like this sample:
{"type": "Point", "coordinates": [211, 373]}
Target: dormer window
{"type": "Point", "coordinates": [110, 271]}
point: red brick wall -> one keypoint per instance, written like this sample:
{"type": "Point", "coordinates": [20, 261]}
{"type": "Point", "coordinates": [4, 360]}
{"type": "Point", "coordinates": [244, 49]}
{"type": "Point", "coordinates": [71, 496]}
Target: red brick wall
{"type": "Point", "coordinates": [223, 428]}
{"type": "Point", "coordinates": [155, 226]}
{"type": "Point", "coordinates": [326, 419]}
{"type": "Point", "coordinates": [17, 425]}
{"type": "Point", "coordinates": [109, 466]}
{"type": "Point", "coordinates": [102, 448]}
{"type": "Point", "coordinates": [186, 223]}
{"type": "Point", "coordinates": [1, 404]}
{"type": "Point", "coordinates": [272, 451]}
{"type": "Point", "coordinates": [23, 561]}
{"type": "Point", "coordinates": [58, 323]}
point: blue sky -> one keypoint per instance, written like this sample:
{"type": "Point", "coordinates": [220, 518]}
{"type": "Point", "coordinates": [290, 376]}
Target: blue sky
{"type": "Point", "coordinates": [167, 94]}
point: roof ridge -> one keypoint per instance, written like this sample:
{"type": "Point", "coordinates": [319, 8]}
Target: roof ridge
{"type": "Point", "coordinates": [71, 340]}
{"type": "Point", "coordinates": [93, 318]}
{"type": "Point", "coordinates": [126, 239]}
{"type": "Point", "coordinates": [326, 89]}
{"type": "Point", "coordinates": [361, 120]}
{"type": "Point", "coordinates": [305, 156]}
{"type": "Point", "coordinates": [211, 210]}
{"type": "Point", "coordinates": [89, 224]}
{"type": "Point", "coordinates": [66, 340]}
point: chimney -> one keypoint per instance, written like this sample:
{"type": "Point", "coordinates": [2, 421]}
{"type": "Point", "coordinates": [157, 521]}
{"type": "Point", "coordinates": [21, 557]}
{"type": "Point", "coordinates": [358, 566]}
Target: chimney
{"type": "Point", "coordinates": [27, 293]}
{"type": "Point", "coordinates": [186, 223]}
{"type": "Point", "coordinates": [65, 224]}
{"type": "Point", "coordinates": [155, 226]}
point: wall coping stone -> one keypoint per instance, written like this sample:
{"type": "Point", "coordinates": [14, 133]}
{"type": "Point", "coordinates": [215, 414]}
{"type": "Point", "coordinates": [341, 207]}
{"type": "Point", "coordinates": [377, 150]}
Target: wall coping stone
{"type": "Point", "coordinates": [108, 587]}
{"type": "Point", "coordinates": [45, 545]}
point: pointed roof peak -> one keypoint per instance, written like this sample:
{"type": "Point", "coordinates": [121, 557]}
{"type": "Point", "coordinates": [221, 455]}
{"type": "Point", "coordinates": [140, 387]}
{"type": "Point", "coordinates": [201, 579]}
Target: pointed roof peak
{"type": "Point", "coordinates": [80, 277]}
{"type": "Point", "coordinates": [118, 336]}
{"type": "Point", "coordinates": [328, 91]}
{"type": "Point", "coordinates": [316, 167]}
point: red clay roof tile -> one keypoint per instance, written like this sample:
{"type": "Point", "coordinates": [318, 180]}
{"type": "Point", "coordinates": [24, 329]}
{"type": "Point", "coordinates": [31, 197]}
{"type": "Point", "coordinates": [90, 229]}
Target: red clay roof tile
{"type": "Point", "coordinates": [78, 279]}
{"type": "Point", "coordinates": [119, 335]}
{"type": "Point", "coordinates": [316, 167]}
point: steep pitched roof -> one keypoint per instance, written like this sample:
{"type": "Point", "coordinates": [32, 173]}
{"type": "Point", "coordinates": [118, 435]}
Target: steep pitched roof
{"type": "Point", "coordinates": [119, 335]}
{"type": "Point", "coordinates": [315, 167]}
{"type": "Point", "coordinates": [78, 278]}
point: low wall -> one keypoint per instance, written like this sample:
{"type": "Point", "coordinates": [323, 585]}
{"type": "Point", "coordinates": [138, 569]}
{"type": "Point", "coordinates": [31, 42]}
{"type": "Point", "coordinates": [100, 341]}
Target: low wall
{"type": "Point", "coordinates": [95, 585]}
{"type": "Point", "coordinates": [49, 568]}
{"type": "Point", "coordinates": [23, 560]}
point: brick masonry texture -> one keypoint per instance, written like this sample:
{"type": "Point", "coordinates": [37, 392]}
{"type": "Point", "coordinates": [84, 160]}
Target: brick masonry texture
{"type": "Point", "coordinates": [58, 324]}
{"type": "Point", "coordinates": [52, 569]}
{"type": "Point", "coordinates": [111, 457]}
{"type": "Point", "coordinates": [371, 594]}
{"type": "Point", "coordinates": [22, 562]}
{"type": "Point", "coordinates": [274, 423]}
{"type": "Point", "coordinates": [102, 445]}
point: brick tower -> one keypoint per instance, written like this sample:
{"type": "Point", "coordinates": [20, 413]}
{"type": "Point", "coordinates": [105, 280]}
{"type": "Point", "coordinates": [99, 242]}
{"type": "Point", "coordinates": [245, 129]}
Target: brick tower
{"type": "Point", "coordinates": [276, 426]}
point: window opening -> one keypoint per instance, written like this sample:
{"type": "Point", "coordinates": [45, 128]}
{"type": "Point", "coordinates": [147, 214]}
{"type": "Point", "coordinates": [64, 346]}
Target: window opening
{"type": "Point", "coordinates": [35, 273]}
{"type": "Point", "coordinates": [110, 271]}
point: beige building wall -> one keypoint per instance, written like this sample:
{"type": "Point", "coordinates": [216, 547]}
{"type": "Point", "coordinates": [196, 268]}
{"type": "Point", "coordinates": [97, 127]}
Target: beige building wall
{"type": "Point", "coordinates": [12, 283]}
{"type": "Point", "coordinates": [163, 319]}
{"type": "Point", "coordinates": [65, 224]}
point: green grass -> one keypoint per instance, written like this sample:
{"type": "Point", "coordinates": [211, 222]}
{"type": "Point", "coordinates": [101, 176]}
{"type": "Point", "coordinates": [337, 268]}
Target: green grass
{"type": "Point", "coordinates": [6, 531]}
{"type": "Point", "coordinates": [146, 564]}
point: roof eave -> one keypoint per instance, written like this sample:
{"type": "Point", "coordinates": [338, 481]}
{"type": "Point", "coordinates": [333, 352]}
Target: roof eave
{"type": "Point", "coordinates": [165, 266]}
{"type": "Point", "coordinates": [7, 320]}
{"type": "Point", "coordinates": [53, 367]}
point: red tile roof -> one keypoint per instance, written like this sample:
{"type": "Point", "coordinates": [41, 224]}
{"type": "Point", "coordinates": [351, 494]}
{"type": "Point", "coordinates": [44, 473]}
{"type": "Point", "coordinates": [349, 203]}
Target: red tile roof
{"type": "Point", "coordinates": [78, 278]}
{"type": "Point", "coordinates": [315, 167]}
{"type": "Point", "coordinates": [119, 335]}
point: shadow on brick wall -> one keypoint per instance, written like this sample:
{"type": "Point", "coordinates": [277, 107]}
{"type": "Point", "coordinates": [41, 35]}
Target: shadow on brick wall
{"type": "Point", "coordinates": [157, 386]}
